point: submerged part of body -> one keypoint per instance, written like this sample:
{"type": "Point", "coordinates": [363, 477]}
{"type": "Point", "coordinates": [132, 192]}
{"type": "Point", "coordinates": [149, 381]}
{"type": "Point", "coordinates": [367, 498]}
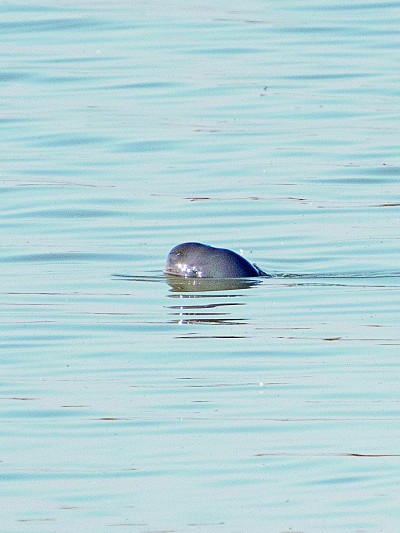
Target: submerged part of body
{"type": "Point", "coordinates": [196, 260]}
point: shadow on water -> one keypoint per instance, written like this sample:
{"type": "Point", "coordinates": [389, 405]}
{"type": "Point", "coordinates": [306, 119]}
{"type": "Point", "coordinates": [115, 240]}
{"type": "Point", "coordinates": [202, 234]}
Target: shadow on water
{"type": "Point", "coordinates": [178, 284]}
{"type": "Point", "coordinates": [208, 301]}
{"type": "Point", "coordinates": [203, 301]}
{"type": "Point", "coordinates": [187, 311]}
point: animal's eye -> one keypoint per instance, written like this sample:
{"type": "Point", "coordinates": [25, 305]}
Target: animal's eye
{"type": "Point", "coordinates": [198, 273]}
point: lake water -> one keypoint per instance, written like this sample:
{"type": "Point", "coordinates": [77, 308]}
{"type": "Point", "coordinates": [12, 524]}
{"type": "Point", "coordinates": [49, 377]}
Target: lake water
{"type": "Point", "coordinates": [270, 128]}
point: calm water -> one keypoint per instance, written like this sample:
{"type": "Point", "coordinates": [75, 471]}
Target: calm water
{"type": "Point", "coordinates": [271, 128]}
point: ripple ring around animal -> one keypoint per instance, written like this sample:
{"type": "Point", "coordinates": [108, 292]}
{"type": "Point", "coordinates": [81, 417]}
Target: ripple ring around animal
{"type": "Point", "coordinates": [196, 260]}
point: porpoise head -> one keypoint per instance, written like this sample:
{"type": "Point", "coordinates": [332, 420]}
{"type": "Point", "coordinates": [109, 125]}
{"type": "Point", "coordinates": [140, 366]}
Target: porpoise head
{"type": "Point", "coordinates": [197, 260]}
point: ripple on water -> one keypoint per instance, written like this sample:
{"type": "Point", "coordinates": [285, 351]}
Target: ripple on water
{"type": "Point", "coordinates": [127, 130]}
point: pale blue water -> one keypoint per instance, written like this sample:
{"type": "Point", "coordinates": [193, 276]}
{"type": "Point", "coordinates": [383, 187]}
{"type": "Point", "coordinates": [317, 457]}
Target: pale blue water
{"type": "Point", "coordinates": [266, 127]}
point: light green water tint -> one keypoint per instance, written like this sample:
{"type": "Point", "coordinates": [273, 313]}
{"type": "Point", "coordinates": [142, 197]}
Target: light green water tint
{"type": "Point", "coordinates": [267, 127]}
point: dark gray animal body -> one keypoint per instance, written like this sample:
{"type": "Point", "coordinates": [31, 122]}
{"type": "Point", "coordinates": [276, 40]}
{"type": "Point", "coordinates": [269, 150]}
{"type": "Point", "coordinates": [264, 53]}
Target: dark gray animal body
{"type": "Point", "coordinates": [196, 260]}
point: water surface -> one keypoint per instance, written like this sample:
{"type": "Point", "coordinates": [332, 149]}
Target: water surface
{"type": "Point", "coordinates": [268, 128]}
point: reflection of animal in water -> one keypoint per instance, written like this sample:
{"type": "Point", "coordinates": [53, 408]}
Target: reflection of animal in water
{"type": "Point", "coordinates": [196, 260]}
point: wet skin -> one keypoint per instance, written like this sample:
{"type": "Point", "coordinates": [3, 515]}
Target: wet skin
{"type": "Point", "coordinates": [196, 260]}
